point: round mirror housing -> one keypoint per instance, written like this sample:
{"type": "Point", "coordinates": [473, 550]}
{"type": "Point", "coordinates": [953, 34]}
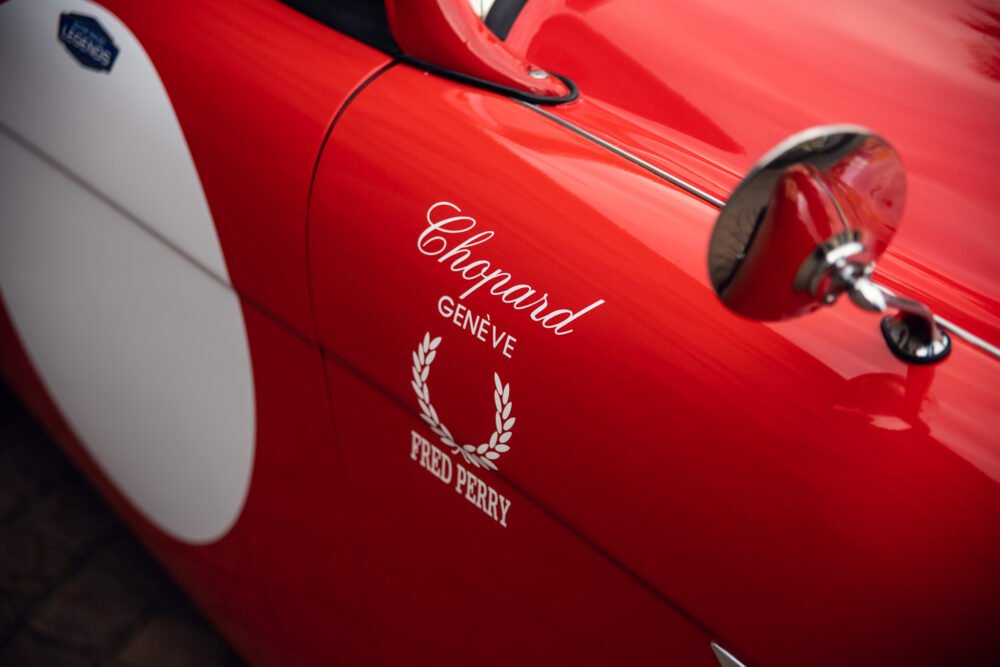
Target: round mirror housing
{"type": "Point", "coordinates": [807, 224]}
{"type": "Point", "coordinates": [827, 196]}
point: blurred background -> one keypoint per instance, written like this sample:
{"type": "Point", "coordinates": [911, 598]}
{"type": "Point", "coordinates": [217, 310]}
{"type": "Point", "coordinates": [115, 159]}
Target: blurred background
{"type": "Point", "coordinates": [76, 588]}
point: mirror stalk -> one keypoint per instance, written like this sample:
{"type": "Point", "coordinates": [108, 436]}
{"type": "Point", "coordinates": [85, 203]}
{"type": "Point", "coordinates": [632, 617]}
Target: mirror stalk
{"type": "Point", "coordinates": [843, 264]}
{"type": "Point", "coordinates": [912, 333]}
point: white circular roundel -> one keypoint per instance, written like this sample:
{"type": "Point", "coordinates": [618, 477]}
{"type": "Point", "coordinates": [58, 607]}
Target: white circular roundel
{"type": "Point", "coordinates": [143, 350]}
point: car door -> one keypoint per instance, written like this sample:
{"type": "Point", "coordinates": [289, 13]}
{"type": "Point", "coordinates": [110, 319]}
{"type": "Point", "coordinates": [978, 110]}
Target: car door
{"type": "Point", "coordinates": [450, 388]}
{"type": "Point", "coordinates": [499, 284]}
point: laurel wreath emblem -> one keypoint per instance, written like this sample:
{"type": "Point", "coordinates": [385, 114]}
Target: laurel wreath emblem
{"type": "Point", "coordinates": [483, 455]}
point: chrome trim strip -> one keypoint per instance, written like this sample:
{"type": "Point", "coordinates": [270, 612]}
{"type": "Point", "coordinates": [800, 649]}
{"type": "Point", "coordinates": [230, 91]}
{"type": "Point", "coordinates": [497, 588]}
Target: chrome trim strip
{"type": "Point", "coordinates": [967, 336]}
{"type": "Point", "coordinates": [634, 159]}
{"type": "Point", "coordinates": [725, 658]}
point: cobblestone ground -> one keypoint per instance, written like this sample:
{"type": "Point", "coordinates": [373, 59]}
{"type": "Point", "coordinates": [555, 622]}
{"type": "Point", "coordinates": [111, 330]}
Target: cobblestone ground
{"type": "Point", "coordinates": [76, 589]}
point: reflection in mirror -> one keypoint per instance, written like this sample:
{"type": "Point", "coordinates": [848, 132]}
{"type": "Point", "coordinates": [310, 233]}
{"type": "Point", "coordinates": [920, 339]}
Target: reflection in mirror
{"type": "Point", "coordinates": [807, 224]}
{"type": "Point", "coordinates": [823, 196]}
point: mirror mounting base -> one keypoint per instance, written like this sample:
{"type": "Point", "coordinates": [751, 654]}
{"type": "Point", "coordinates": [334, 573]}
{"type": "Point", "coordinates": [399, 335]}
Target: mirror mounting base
{"type": "Point", "coordinates": [912, 334]}
{"type": "Point", "coordinates": [913, 340]}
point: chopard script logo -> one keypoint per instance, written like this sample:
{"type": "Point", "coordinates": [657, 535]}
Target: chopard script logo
{"type": "Point", "coordinates": [449, 237]}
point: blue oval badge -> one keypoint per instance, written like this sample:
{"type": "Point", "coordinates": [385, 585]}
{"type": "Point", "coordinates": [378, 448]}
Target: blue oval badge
{"type": "Point", "coordinates": [87, 41]}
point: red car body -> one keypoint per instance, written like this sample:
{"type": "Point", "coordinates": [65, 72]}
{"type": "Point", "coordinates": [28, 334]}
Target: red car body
{"type": "Point", "coordinates": [677, 474]}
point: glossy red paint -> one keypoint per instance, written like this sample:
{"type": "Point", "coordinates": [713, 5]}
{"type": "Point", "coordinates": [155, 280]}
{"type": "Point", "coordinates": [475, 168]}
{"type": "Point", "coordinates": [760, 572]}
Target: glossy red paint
{"type": "Point", "coordinates": [448, 34]}
{"type": "Point", "coordinates": [447, 585]}
{"type": "Point", "coordinates": [677, 473]}
{"type": "Point", "coordinates": [704, 89]}
{"type": "Point", "coordinates": [764, 478]}
{"type": "Point", "coordinates": [255, 86]}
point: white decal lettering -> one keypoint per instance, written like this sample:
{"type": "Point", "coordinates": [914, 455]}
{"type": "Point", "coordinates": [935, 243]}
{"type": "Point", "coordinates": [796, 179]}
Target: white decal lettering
{"type": "Point", "coordinates": [433, 241]}
{"type": "Point", "coordinates": [478, 326]}
{"type": "Point", "coordinates": [491, 502]}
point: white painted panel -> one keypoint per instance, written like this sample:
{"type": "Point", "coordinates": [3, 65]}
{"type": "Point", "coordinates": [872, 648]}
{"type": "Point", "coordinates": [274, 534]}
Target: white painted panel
{"type": "Point", "coordinates": [117, 130]}
{"type": "Point", "coordinates": [145, 355]}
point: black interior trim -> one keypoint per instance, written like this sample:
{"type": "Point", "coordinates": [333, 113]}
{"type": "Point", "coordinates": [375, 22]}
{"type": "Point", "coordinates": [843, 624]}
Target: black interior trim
{"type": "Point", "coordinates": [363, 20]}
{"type": "Point", "coordinates": [502, 15]}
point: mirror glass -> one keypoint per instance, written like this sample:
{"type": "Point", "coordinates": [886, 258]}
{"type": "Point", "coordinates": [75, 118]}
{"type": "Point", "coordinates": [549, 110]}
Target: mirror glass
{"type": "Point", "coordinates": [829, 194]}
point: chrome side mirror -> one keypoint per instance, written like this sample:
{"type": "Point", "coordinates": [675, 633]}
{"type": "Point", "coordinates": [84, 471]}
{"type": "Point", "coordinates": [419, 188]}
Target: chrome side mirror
{"type": "Point", "coordinates": [807, 224]}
